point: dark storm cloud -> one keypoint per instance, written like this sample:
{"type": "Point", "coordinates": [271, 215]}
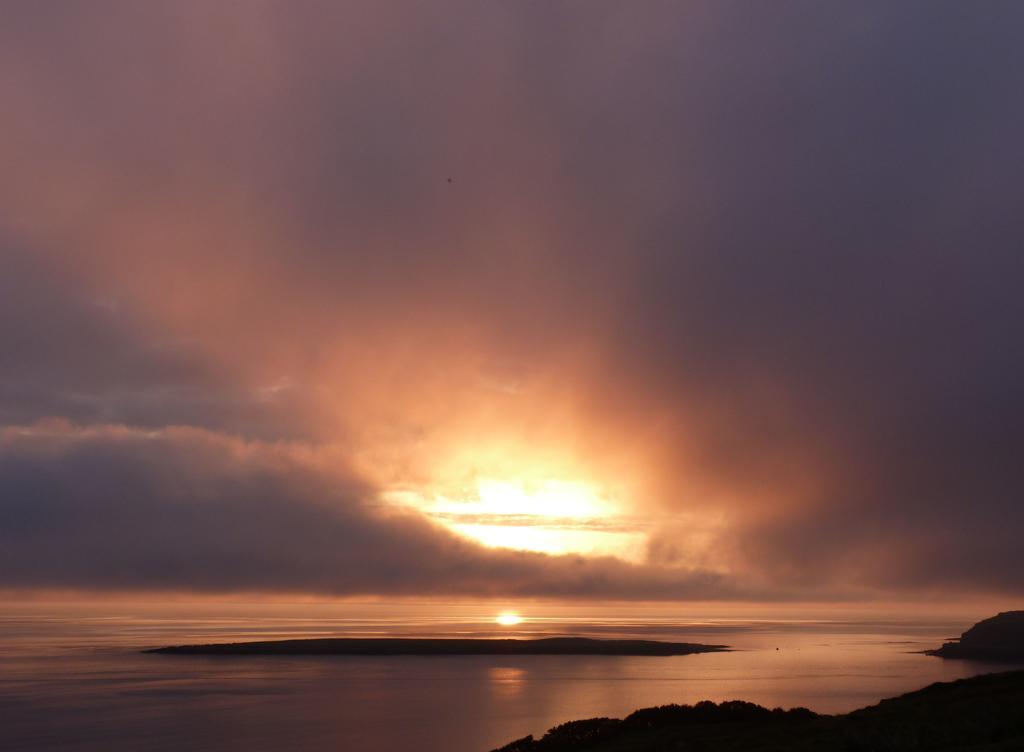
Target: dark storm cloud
{"type": "Point", "coordinates": [188, 510]}
{"type": "Point", "coordinates": [849, 292]}
{"type": "Point", "coordinates": [63, 350]}
{"type": "Point", "coordinates": [783, 240]}
{"type": "Point", "coordinates": [84, 356]}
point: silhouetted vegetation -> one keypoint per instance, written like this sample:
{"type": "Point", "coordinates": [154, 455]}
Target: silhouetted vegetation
{"type": "Point", "coordinates": [982, 714]}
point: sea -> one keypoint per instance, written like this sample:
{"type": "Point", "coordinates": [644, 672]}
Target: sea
{"type": "Point", "coordinates": [74, 677]}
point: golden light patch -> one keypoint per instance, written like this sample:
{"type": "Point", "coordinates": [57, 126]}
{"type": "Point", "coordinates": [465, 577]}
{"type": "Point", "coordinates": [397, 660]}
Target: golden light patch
{"type": "Point", "coordinates": [548, 516]}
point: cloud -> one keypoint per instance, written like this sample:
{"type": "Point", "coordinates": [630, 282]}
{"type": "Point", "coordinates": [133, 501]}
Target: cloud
{"type": "Point", "coordinates": [184, 509]}
{"type": "Point", "coordinates": [756, 269]}
{"type": "Point", "coordinates": [72, 352]}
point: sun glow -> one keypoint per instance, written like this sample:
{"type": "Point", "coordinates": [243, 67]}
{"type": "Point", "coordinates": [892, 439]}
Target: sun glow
{"type": "Point", "coordinates": [508, 619]}
{"type": "Point", "coordinates": [549, 516]}
{"type": "Point", "coordinates": [550, 498]}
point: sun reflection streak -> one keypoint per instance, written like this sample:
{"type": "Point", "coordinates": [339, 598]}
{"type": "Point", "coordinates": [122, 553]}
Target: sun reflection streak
{"type": "Point", "coordinates": [506, 681]}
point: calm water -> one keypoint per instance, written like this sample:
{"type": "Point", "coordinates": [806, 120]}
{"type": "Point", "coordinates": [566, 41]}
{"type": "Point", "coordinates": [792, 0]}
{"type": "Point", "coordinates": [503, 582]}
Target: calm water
{"type": "Point", "coordinates": [79, 682]}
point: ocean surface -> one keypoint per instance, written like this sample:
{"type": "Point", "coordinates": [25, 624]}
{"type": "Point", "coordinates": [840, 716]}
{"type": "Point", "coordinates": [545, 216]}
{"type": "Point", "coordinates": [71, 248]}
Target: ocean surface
{"type": "Point", "coordinates": [77, 681]}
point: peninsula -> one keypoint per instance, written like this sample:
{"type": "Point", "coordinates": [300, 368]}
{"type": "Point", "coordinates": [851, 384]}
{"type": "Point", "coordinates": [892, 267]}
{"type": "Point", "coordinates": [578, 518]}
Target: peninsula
{"type": "Point", "coordinates": [999, 638]}
{"type": "Point", "coordinates": [417, 646]}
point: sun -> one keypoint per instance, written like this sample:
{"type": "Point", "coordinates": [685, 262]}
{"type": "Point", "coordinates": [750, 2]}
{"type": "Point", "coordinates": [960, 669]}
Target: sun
{"type": "Point", "coordinates": [508, 619]}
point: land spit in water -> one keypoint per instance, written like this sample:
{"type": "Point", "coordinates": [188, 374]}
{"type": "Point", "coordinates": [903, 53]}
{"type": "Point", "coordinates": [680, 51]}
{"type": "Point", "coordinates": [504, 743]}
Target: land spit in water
{"type": "Point", "coordinates": [415, 646]}
{"type": "Point", "coordinates": [999, 638]}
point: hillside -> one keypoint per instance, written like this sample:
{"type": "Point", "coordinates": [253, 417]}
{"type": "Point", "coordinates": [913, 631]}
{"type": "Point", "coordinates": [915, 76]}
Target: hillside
{"type": "Point", "coordinates": [981, 714]}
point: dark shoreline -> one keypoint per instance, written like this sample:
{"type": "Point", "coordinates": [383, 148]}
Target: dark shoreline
{"type": "Point", "coordinates": [979, 713]}
{"type": "Point", "coordinates": [415, 646]}
{"type": "Point", "coordinates": [998, 639]}
{"type": "Point", "coordinates": [959, 651]}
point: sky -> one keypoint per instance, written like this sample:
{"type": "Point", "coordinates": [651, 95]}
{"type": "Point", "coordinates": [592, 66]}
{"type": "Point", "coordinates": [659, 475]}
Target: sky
{"type": "Point", "coordinates": [714, 301]}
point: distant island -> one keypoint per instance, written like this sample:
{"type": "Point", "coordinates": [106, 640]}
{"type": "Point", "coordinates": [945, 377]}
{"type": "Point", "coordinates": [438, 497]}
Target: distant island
{"type": "Point", "coordinates": [1000, 638]}
{"type": "Point", "coordinates": [416, 646]}
{"type": "Point", "coordinates": [982, 713]}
